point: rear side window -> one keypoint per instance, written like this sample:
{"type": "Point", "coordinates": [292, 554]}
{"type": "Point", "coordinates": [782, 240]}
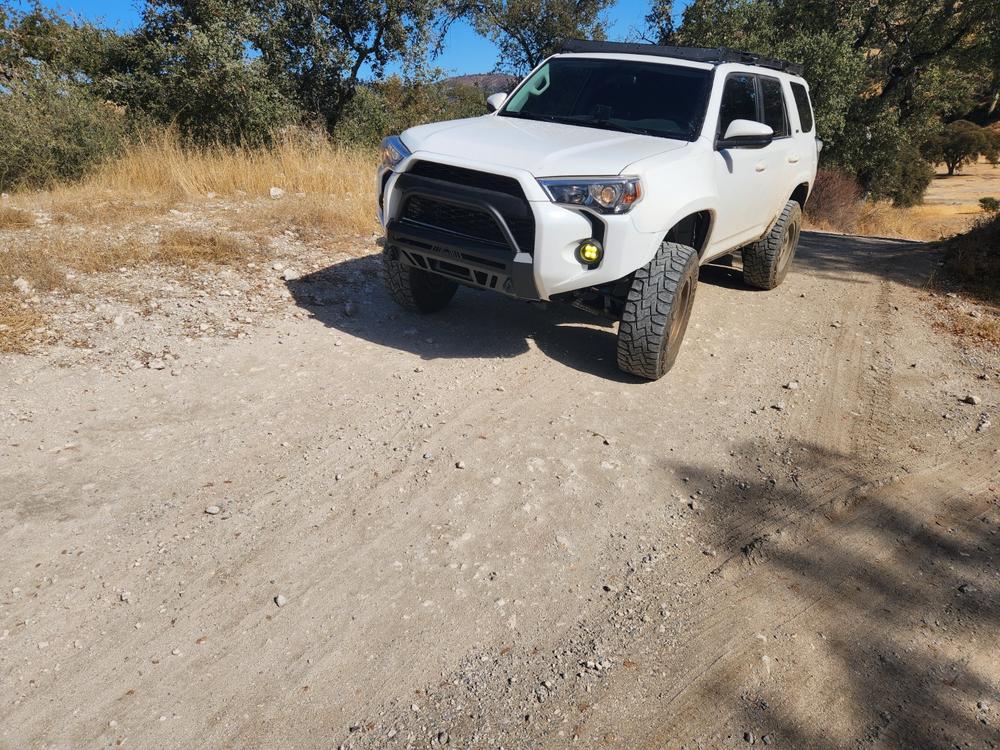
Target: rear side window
{"type": "Point", "coordinates": [739, 101]}
{"type": "Point", "coordinates": [773, 100]}
{"type": "Point", "coordinates": [803, 106]}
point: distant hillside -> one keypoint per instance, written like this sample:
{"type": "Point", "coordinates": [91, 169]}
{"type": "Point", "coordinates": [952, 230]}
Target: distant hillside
{"type": "Point", "coordinates": [490, 83]}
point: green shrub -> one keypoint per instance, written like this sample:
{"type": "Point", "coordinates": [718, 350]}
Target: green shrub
{"type": "Point", "coordinates": [52, 129]}
{"type": "Point", "coordinates": [910, 178]}
{"type": "Point", "coordinates": [990, 205]}
{"type": "Point", "coordinates": [392, 106]}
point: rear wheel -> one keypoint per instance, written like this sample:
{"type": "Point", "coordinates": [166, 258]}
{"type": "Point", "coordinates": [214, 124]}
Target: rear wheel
{"type": "Point", "coordinates": [657, 310]}
{"type": "Point", "coordinates": [766, 262]}
{"type": "Point", "coordinates": [413, 288]}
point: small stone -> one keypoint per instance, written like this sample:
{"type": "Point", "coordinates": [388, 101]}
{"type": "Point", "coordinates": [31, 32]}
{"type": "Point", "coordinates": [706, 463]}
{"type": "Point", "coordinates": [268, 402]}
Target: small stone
{"type": "Point", "coordinates": [966, 588]}
{"type": "Point", "coordinates": [277, 266]}
{"type": "Point", "coordinates": [970, 399]}
{"type": "Point", "coordinates": [428, 456]}
{"type": "Point", "coordinates": [748, 736]}
{"type": "Point", "coordinates": [792, 385]}
{"type": "Point", "coordinates": [780, 406]}
{"type": "Point", "coordinates": [291, 274]}
{"type": "Point", "coordinates": [443, 738]}
{"type": "Point", "coordinates": [276, 192]}
{"type": "Point", "coordinates": [156, 364]}
{"type": "Point", "coordinates": [766, 739]}
{"type": "Point", "coordinates": [460, 464]}
{"type": "Point", "coordinates": [176, 652]}
{"type": "Point", "coordinates": [280, 600]}
{"type": "Point", "coordinates": [213, 510]}
{"type": "Point", "coordinates": [125, 596]}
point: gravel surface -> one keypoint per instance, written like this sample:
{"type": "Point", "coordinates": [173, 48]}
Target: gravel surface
{"type": "Point", "coordinates": [352, 527]}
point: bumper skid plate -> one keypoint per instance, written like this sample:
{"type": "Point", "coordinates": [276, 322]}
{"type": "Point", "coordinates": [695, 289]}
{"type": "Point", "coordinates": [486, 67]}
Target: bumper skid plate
{"type": "Point", "coordinates": [464, 259]}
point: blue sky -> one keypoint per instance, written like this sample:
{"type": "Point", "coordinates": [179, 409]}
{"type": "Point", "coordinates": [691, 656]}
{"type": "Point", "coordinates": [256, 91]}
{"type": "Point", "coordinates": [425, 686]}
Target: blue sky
{"type": "Point", "coordinates": [464, 50]}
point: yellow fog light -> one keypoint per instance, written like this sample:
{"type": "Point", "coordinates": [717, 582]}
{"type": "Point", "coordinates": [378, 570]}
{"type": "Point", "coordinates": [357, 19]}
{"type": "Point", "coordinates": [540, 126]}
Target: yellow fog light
{"type": "Point", "coordinates": [590, 252]}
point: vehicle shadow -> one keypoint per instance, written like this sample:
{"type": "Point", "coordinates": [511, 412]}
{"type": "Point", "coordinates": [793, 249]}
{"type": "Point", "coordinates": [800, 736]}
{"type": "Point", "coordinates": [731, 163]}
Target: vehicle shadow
{"type": "Point", "coordinates": [349, 297]}
{"type": "Point", "coordinates": [838, 257]}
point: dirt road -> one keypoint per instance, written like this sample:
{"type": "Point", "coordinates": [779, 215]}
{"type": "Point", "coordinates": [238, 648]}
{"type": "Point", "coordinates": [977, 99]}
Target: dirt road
{"type": "Point", "coordinates": [483, 535]}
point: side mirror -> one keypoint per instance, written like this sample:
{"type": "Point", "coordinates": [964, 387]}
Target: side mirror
{"type": "Point", "coordinates": [746, 134]}
{"type": "Point", "coordinates": [495, 101]}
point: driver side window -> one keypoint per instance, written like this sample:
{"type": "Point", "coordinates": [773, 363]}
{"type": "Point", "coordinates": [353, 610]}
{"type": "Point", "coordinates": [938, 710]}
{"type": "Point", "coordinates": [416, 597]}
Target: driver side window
{"type": "Point", "coordinates": [739, 101]}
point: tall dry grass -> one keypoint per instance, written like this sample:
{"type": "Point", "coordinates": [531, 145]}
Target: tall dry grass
{"type": "Point", "coordinates": [322, 183]}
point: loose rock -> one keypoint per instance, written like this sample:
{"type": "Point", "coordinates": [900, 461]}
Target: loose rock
{"type": "Point", "coordinates": [213, 510]}
{"type": "Point", "coordinates": [280, 600]}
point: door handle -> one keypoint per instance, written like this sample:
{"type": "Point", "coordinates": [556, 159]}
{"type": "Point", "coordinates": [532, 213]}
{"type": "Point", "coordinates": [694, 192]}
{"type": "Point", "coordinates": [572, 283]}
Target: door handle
{"type": "Point", "coordinates": [793, 158]}
{"type": "Point", "coordinates": [760, 166]}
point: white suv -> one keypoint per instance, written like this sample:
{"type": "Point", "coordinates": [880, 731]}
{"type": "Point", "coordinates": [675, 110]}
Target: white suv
{"type": "Point", "coordinates": [605, 179]}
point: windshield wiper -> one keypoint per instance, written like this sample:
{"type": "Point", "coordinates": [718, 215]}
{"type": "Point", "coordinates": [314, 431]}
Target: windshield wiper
{"type": "Point", "coordinates": [586, 121]}
{"type": "Point", "coordinates": [603, 122]}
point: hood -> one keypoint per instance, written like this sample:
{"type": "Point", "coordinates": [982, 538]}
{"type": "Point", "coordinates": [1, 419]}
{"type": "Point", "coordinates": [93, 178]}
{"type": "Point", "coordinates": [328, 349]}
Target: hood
{"type": "Point", "coordinates": [545, 149]}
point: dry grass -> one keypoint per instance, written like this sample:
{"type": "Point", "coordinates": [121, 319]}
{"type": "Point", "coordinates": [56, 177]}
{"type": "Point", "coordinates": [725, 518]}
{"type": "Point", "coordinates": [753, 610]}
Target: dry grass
{"type": "Point", "coordinates": [17, 321]}
{"type": "Point", "coordinates": [185, 247]}
{"type": "Point", "coordinates": [324, 186]}
{"type": "Point", "coordinates": [15, 218]}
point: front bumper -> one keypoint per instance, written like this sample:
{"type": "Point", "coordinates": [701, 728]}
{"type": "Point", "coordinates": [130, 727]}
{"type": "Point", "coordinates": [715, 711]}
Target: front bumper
{"type": "Point", "coordinates": [534, 269]}
{"type": "Point", "coordinates": [463, 259]}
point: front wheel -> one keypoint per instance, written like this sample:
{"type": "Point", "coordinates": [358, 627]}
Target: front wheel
{"type": "Point", "coordinates": [657, 310]}
{"type": "Point", "coordinates": [415, 289]}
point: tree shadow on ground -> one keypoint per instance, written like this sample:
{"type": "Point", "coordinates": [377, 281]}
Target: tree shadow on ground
{"type": "Point", "coordinates": [898, 584]}
{"type": "Point", "coordinates": [349, 296]}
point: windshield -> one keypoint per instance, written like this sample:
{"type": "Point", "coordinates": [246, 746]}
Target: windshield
{"type": "Point", "coordinates": [668, 101]}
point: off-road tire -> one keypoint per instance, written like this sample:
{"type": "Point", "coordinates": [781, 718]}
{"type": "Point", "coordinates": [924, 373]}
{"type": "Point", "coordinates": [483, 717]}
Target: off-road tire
{"type": "Point", "coordinates": [414, 289]}
{"type": "Point", "coordinates": [657, 310]}
{"type": "Point", "coordinates": [766, 262]}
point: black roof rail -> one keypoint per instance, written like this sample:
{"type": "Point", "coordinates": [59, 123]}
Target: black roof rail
{"type": "Point", "coordinates": [714, 55]}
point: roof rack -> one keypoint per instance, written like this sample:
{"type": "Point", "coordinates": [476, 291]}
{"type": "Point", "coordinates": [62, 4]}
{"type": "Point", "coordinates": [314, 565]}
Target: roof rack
{"type": "Point", "coordinates": [714, 55]}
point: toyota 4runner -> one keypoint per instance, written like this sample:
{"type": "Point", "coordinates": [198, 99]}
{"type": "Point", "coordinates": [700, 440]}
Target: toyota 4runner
{"type": "Point", "coordinates": [605, 179]}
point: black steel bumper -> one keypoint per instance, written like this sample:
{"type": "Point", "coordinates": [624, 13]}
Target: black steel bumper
{"type": "Point", "coordinates": [497, 263]}
{"type": "Point", "coordinates": [462, 259]}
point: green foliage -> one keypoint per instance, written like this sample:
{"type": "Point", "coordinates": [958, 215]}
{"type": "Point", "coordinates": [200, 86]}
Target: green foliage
{"type": "Point", "coordinates": [389, 107]}
{"type": "Point", "coordinates": [53, 129]}
{"type": "Point", "coordinates": [883, 76]}
{"type": "Point", "coordinates": [910, 178]}
{"type": "Point", "coordinates": [990, 205]}
{"type": "Point", "coordinates": [316, 49]}
{"type": "Point", "coordinates": [958, 144]}
{"type": "Point", "coordinates": [528, 31]}
{"type": "Point", "coordinates": [192, 69]}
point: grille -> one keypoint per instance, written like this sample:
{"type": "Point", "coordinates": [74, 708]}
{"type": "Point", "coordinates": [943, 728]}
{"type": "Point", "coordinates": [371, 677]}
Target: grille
{"type": "Point", "coordinates": [470, 177]}
{"type": "Point", "coordinates": [452, 218]}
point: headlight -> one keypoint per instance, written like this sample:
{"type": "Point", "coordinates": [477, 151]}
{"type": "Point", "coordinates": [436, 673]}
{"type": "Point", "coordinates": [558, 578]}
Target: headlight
{"type": "Point", "coordinates": [608, 195]}
{"type": "Point", "coordinates": [392, 151]}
